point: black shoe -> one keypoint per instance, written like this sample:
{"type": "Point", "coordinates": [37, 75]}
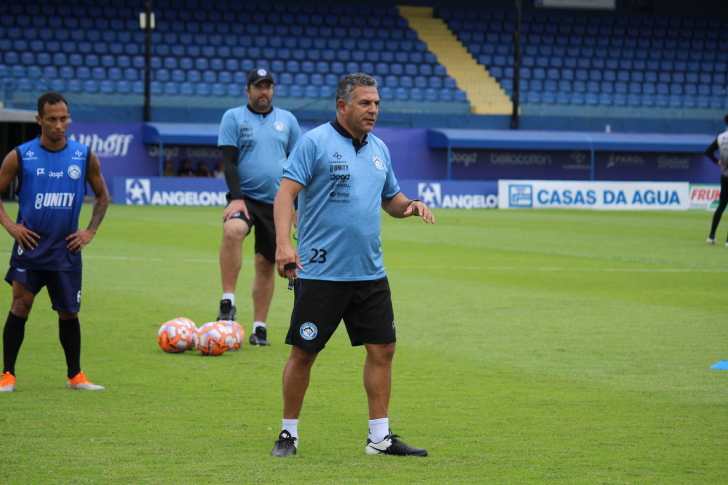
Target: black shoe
{"type": "Point", "coordinates": [259, 338]}
{"type": "Point", "coordinates": [227, 311]}
{"type": "Point", "coordinates": [390, 445]}
{"type": "Point", "coordinates": [286, 445]}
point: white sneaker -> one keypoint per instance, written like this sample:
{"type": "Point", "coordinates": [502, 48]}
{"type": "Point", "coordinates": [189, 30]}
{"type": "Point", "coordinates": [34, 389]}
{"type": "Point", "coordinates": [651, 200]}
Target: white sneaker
{"type": "Point", "coordinates": [80, 382]}
{"type": "Point", "coordinates": [711, 240]}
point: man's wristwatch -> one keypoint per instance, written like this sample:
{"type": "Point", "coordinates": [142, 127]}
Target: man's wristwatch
{"type": "Point", "coordinates": [413, 200]}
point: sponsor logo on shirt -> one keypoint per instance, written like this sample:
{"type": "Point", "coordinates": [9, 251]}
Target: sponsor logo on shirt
{"type": "Point", "coordinates": [40, 171]}
{"type": "Point", "coordinates": [55, 200]}
{"type": "Point", "coordinates": [337, 156]}
{"type": "Point", "coordinates": [279, 126]}
{"type": "Point", "coordinates": [56, 175]}
{"type": "Point", "coordinates": [74, 171]}
{"type": "Point", "coordinates": [29, 155]}
{"type": "Point", "coordinates": [377, 161]}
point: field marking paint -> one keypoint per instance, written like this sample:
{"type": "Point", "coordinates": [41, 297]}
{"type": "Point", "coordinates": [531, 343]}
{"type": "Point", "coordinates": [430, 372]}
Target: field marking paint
{"type": "Point", "coordinates": [560, 253]}
{"type": "Point", "coordinates": [523, 268]}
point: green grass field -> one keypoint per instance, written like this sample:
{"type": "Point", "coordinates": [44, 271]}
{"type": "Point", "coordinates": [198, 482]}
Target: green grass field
{"type": "Point", "coordinates": [546, 347]}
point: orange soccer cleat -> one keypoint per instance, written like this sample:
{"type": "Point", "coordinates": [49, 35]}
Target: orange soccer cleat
{"type": "Point", "coordinates": [80, 382]}
{"type": "Point", "coordinates": [7, 383]}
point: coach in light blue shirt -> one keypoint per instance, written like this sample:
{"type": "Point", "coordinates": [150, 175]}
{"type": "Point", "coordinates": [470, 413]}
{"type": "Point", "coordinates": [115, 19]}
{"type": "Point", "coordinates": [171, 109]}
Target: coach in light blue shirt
{"type": "Point", "coordinates": [342, 176]}
{"type": "Point", "coordinates": [255, 140]}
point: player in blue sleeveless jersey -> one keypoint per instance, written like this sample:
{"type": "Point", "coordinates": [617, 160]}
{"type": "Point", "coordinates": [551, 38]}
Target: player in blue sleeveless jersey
{"type": "Point", "coordinates": [255, 140]}
{"type": "Point", "coordinates": [342, 176]}
{"type": "Point", "coordinates": [52, 173]}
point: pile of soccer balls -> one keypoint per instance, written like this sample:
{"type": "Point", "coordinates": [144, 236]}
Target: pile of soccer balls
{"type": "Point", "coordinates": [213, 338]}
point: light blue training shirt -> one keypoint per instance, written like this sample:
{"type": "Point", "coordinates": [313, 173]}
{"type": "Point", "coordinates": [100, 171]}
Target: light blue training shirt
{"type": "Point", "coordinates": [339, 207]}
{"type": "Point", "coordinates": [263, 141]}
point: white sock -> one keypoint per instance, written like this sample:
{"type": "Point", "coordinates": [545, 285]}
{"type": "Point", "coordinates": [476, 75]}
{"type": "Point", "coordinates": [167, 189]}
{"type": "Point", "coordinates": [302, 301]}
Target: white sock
{"type": "Point", "coordinates": [291, 425]}
{"type": "Point", "coordinates": [378, 429]}
{"type": "Point", "coordinates": [258, 324]}
{"type": "Point", "coordinates": [229, 296]}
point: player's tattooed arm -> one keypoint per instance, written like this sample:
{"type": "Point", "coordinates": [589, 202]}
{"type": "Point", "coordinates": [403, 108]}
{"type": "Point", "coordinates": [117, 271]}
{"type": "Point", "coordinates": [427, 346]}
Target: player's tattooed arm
{"type": "Point", "coordinates": [26, 238]}
{"type": "Point", "coordinates": [78, 240]}
{"type": "Point", "coordinates": [98, 185]}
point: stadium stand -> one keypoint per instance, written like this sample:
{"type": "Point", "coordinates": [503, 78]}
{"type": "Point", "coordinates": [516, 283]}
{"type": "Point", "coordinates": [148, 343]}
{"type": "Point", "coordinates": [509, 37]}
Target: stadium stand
{"type": "Point", "coordinates": [601, 59]}
{"type": "Point", "coordinates": [208, 47]}
{"type": "Point", "coordinates": [202, 50]}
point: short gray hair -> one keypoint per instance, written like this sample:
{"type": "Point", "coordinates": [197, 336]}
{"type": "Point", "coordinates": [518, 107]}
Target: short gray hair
{"type": "Point", "coordinates": [345, 89]}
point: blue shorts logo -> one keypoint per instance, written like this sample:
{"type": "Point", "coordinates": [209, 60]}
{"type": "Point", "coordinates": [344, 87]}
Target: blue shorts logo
{"type": "Point", "coordinates": [308, 331]}
{"type": "Point", "coordinates": [520, 195]}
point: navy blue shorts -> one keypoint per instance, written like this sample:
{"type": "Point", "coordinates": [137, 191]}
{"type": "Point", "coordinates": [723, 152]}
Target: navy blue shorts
{"type": "Point", "coordinates": [365, 307]}
{"type": "Point", "coordinates": [64, 287]}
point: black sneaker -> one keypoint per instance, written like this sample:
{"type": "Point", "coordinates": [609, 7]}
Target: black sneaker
{"type": "Point", "coordinates": [390, 445]}
{"type": "Point", "coordinates": [259, 338]}
{"type": "Point", "coordinates": [286, 445]}
{"type": "Point", "coordinates": [227, 311]}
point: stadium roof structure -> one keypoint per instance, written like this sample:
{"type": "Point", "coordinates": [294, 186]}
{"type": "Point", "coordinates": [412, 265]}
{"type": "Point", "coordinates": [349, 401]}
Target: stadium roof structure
{"type": "Point", "coordinates": [17, 115]}
{"type": "Point", "coordinates": [556, 140]}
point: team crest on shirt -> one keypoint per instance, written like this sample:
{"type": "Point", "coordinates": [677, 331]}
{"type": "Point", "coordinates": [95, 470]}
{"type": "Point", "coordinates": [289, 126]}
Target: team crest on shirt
{"type": "Point", "coordinates": [280, 126]}
{"type": "Point", "coordinates": [74, 171]}
{"type": "Point", "coordinates": [377, 161]}
{"type": "Point", "coordinates": [308, 331]}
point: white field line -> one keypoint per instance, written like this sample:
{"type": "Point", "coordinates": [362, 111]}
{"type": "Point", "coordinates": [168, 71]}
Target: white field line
{"type": "Point", "coordinates": [561, 253]}
{"type": "Point", "coordinates": [429, 267]}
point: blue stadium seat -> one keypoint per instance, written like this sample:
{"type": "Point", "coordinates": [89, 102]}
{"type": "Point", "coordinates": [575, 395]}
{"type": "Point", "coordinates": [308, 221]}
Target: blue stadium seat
{"type": "Point", "coordinates": [74, 86]}
{"type": "Point", "coordinates": [218, 89]}
{"type": "Point", "coordinates": [155, 87]}
{"type": "Point", "coordinates": [83, 72]}
{"type": "Point", "coordinates": [234, 90]}
{"type": "Point", "coordinates": [295, 91]}
{"type": "Point", "coordinates": [209, 77]}
{"type": "Point", "coordinates": [90, 86]}
{"type": "Point", "coordinates": [115, 74]}
{"type": "Point", "coordinates": [311, 92]}
{"type": "Point", "coordinates": [123, 87]}
{"type": "Point", "coordinates": [137, 87]}
{"type": "Point", "coordinates": [648, 99]}
{"type": "Point", "coordinates": [286, 78]}
{"type": "Point", "coordinates": [202, 89]}
{"type": "Point", "coordinates": [225, 77]}
{"type": "Point", "coordinates": [634, 100]}
{"type": "Point", "coordinates": [107, 87]}
{"type": "Point", "coordinates": [445, 94]}
{"type": "Point", "coordinates": [316, 79]}
{"type": "Point", "coordinates": [131, 74]}
{"type": "Point", "coordinates": [43, 59]}
{"type": "Point", "coordinates": [563, 98]}
{"type": "Point", "coordinates": [301, 79]}
{"type": "Point", "coordinates": [186, 89]}
{"type": "Point", "coordinates": [688, 101]}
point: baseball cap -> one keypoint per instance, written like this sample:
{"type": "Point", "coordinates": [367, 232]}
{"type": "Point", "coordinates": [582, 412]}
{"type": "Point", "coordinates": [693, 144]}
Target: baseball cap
{"type": "Point", "coordinates": [259, 74]}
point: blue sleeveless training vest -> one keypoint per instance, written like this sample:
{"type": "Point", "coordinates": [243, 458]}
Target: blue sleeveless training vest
{"type": "Point", "coordinates": [52, 185]}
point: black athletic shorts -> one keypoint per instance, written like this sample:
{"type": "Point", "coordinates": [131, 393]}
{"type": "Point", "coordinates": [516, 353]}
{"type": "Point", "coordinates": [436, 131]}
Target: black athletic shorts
{"type": "Point", "coordinates": [64, 287]}
{"type": "Point", "coordinates": [261, 217]}
{"type": "Point", "coordinates": [319, 307]}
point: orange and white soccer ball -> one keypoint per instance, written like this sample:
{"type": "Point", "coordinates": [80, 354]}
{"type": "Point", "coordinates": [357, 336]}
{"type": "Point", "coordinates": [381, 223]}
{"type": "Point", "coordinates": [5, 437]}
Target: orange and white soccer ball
{"type": "Point", "coordinates": [236, 330]}
{"type": "Point", "coordinates": [174, 337]}
{"type": "Point", "coordinates": [193, 331]}
{"type": "Point", "coordinates": [215, 338]}
{"type": "Point", "coordinates": [239, 334]}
